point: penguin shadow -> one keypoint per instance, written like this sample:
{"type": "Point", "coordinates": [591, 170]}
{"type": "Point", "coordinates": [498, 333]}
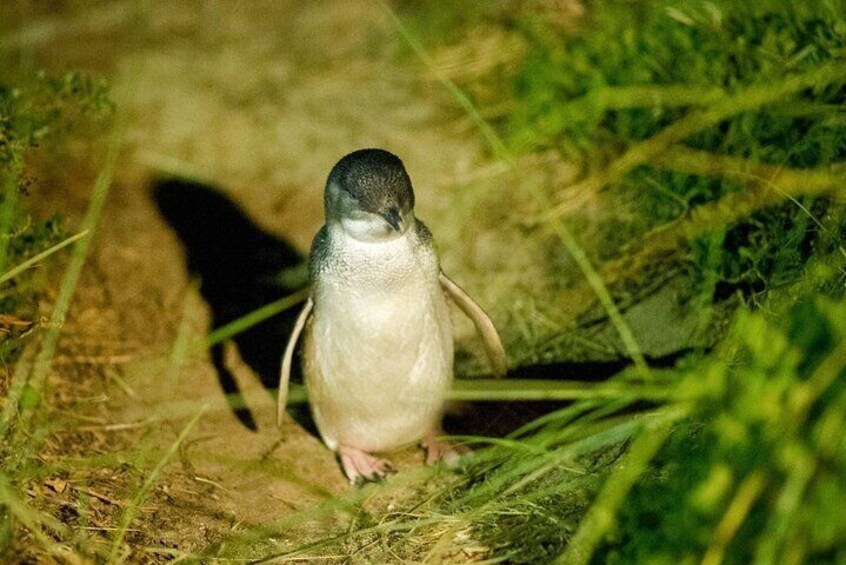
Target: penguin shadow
{"type": "Point", "coordinates": [239, 266]}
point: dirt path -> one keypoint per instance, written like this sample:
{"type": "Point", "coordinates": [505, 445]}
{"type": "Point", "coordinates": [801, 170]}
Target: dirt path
{"type": "Point", "coordinates": [261, 98]}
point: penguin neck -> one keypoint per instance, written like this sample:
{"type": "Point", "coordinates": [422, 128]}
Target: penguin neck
{"type": "Point", "coordinates": [378, 264]}
{"type": "Point", "coordinates": [365, 233]}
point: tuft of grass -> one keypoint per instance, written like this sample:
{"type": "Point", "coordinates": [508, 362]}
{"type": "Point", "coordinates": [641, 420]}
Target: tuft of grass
{"type": "Point", "coordinates": [144, 490]}
{"type": "Point", "coordinates": [38, 115]}
{"type": "Point", "coordinates": [755, 470]}
{"type": "Point", "coordinates": [32, 261]}
{"type": "Point", "coordinates": [743, 84]}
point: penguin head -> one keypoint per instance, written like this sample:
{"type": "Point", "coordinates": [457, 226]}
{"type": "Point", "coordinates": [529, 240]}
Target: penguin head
{"type": "Point", "coordinates": [369, 194]}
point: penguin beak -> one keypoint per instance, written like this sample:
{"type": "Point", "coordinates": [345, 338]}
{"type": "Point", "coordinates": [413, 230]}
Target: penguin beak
{"type": "Point", "coordinates": [392, 216]}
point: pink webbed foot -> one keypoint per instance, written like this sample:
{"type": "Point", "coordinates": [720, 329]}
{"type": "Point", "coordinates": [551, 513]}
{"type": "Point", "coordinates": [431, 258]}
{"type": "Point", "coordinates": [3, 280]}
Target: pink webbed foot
{"type": "Point", "coordinates": [360, 466]}
{"type": "Point", "coordinates": [439, 450]}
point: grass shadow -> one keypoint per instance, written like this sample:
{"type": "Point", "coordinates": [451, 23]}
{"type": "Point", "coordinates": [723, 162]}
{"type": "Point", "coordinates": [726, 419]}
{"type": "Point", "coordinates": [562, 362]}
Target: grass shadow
{"type": "Point", "coordinates": [500, 418]}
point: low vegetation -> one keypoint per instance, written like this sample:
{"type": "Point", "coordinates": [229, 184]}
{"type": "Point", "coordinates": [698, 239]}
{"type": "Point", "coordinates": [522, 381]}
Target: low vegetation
{"type": "Point", "coordinates": [38, 117]}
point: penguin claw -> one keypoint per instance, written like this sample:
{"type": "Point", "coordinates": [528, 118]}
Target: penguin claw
{"type": "Point", "coordinates": [440, 451]}
{"type": "Point", "coordinates": [361, 467]}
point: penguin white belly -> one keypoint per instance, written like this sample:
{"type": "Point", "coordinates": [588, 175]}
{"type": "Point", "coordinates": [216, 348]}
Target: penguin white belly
{"type": "Point", "coordinates": [381, 350]}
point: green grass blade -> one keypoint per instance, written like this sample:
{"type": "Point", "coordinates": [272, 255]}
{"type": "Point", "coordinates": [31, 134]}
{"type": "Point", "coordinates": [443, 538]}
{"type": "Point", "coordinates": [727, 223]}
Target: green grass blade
{"type": "Point", "coordinates": [499, 148]}
{"type": "Point", "coordinates": [741, 100]}
{"type": "Point", "coordinates": [600, 517]}
{"type": "Point", "coordinates": [146, 487]}
{"type": "Point", "coordinates": [78, 256]}
{"type": "Point", "coordinates": [740, 506]}
{"type": "Point", "coordinates": [255, 317]}
{"type": "Point", "coordinates": [12, 273]}
{"type": "Point", "coordinates": [7, 211]}
{"type": "Point", "coordinates": [498, 390]}
{"type": "Point", "coordinates": [31, 519]}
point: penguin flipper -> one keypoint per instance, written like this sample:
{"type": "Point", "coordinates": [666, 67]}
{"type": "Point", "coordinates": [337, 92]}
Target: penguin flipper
{"type": "Point", "coordinates": [484, 325]}
{"type": "Point", "coordinates": [287, 360]}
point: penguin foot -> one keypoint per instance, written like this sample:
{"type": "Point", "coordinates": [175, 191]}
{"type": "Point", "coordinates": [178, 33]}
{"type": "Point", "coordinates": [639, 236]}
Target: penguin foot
{"type": "Point", "coordinates": [361, 467]}
{"type": "Point", "coordinates": [438, 450]}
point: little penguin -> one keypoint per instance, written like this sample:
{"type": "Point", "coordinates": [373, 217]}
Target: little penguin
{"type": "Point", "coordinates": [377, 340]}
